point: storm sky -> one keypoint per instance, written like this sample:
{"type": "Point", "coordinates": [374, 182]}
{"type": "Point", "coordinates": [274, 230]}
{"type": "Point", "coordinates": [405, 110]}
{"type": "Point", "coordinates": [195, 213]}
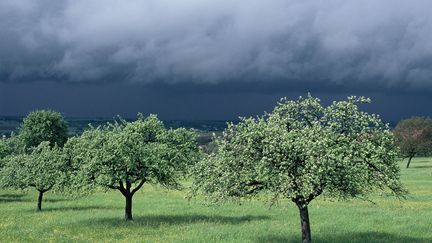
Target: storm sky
{"type": "Point", "coordinates": [206, 59]}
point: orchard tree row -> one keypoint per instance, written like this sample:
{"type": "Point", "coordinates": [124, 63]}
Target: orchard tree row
{"type": "Point", "coordinates": [121, 155]}
{"type": "Point", "coordinates": [300, 151]}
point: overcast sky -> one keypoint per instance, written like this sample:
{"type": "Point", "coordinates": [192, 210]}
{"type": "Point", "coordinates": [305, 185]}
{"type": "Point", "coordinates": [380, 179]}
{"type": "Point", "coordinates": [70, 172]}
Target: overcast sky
{"type": "Point", "coordinates": [206, 59]}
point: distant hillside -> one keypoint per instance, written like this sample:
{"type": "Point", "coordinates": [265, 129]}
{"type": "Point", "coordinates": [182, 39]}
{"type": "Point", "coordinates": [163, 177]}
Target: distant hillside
{"type": "Point", "coordinates": [78, 125]}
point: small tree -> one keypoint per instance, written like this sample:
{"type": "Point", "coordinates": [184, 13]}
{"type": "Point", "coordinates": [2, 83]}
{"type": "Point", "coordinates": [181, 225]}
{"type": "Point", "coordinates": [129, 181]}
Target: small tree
{"type": "Point", "coordinates": [41, 169]}
{"type": "Point", "coordinates": [300, 151]}
{"type": "Point", "coordinates": [414, 137]}
{"type": "Point", "coordinates": [125, 155]}
{"type": "Point", "coordinates": [43, 125]}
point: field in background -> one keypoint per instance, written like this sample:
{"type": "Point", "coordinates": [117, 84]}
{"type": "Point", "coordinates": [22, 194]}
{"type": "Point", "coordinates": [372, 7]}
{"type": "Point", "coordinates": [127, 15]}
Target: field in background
{"type": "Point", "coordinates": [166, 216]}
{"type": "Point", "coordinates": [78, 125]}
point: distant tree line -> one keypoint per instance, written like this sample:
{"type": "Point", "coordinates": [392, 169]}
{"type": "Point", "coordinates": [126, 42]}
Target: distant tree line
{"type": "Point", "coordinates": [300, 151]}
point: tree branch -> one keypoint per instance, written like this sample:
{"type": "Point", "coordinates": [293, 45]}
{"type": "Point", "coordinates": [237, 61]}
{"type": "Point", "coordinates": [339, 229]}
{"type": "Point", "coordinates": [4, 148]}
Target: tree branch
{"type": "Point", "coordinates": [314, 195]}
{"type": "Point", "coordinates": [138, 187]}
{"type": "Point", "coordinates": [122, 189]}
{"type": "Point", "coordinates": [49, 188]}
{"type": "Point", "coordinates": [300, 201]}
{"type": "Point", "coordinates": [257, 185]}
{"type": "Point", "coordinates": [41, 190]}
{"type": "Point", "coordinates": [128, 186]}
{"type": "Point", "coordinates": [113, 187]}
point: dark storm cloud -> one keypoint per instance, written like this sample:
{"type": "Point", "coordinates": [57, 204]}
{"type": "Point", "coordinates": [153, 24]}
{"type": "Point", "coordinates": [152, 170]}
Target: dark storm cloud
{"type": "Point", "coordinates": [354, 45]}
{"type": "Point", "coordinates": [179, 101]}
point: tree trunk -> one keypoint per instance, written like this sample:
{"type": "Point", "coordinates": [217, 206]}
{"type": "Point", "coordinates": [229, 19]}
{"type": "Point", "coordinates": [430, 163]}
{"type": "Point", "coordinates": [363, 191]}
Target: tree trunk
{"type": "Point", "coordinates": [39, 204]}
{"type": "Point", "coordinates": [128, 207]}
{"type": "Point", "coordinates": [304, 221]}
{"type": "Point", "coordinates": [409, 161]}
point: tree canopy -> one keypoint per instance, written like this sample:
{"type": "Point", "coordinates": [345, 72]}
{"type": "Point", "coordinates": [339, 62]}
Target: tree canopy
{"type": "Point", "coordinates": [8, 147]}
{"type": "Point", "coordinates": [43, 168]}
{"type": "Point", "coordinates": [414, 137]}
{"type": "Point", "coordinates": [5, 149]}
{"type": "Point", "coordinates": [126, 155]}
{"type": "Point", "coordinates": [43, 125]}
{"type": "Point", "coordinates": [33, 158]}
{"type": "Point", "coordinates": [300, 151]}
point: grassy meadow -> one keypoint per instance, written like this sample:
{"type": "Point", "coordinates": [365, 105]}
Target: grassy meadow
{"type": "Point", "coordinates": [166, 216]}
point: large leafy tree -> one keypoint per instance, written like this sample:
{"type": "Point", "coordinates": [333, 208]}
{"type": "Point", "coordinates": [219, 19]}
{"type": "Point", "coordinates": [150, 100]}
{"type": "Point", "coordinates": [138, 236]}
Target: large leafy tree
{"type": "Point", "coordinates": [301, 151]}
{"type": "Point", "coordinates": [43, 125]}
{"type": "Point", "coordinates": [42, 168]}
{"type": "Point", "coordinates": [414, 137]}
{"type": "Point", "coordinates": [125, 155]}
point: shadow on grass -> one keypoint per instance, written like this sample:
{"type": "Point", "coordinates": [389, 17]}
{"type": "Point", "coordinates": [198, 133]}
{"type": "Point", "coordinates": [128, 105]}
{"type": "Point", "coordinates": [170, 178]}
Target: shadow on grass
{"type": "Point", "coordinates": [47, 208]}
{"type": "Point", "coordinates": [54, 200]}
{"type": "Point", "coordinates": [9, 197]}
{"type": "Point", "coordinates": [158, 220]}
{"type": "Point", "coordinates": [81, 208]}
{"type": "Point", "coordinates": [370, 237]}
{"type": "Point", "coordinates": [5, 198]}
{"type": "Point", "coordinates": [420, 167]}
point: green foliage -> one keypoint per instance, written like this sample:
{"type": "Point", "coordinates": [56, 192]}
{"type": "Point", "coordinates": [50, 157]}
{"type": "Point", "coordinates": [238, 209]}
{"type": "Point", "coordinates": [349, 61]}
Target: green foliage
{"type": "Point", "coordinates": [125, 155]}
{"type": "Point", "coordinates": [132, 152]}
{"type": "Point", "coordinates": [8, 147]}
{"type": "Point", "coordinates": [414, 136]}
{"type": "Point", "coordinates": [43, 125]}
{"type": "Point", "coordinates": [4, 148]}
{"type": "Point", "coordinates": [42, 168]}
{"type": "Point", "coordinates": [209, 148]}
{"type": "Point", "coordinates": [300, 151]}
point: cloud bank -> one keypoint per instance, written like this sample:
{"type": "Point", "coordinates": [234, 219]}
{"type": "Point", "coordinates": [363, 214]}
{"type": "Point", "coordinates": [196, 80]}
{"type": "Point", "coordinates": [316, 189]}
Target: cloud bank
{"type": "Point", "coordinates": [360, 44]}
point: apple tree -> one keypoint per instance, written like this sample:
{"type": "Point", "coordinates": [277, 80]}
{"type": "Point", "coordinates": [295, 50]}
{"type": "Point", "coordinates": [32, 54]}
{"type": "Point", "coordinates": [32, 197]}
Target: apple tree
{"type": "Point", "coordinates": [43, 125]}
{"type": "Point", "coordinates": [43, 168]}
{"type": "Point", "coordinates": [124, 156]}
{"type": "Point", "coordinates": [300, 151]}
{"type": "Point", "coordinates": [33, 158]}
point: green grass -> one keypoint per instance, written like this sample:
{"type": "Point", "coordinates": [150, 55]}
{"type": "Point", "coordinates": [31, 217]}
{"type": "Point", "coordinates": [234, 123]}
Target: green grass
{"type": "Point", "coordinates": [166, 216]}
